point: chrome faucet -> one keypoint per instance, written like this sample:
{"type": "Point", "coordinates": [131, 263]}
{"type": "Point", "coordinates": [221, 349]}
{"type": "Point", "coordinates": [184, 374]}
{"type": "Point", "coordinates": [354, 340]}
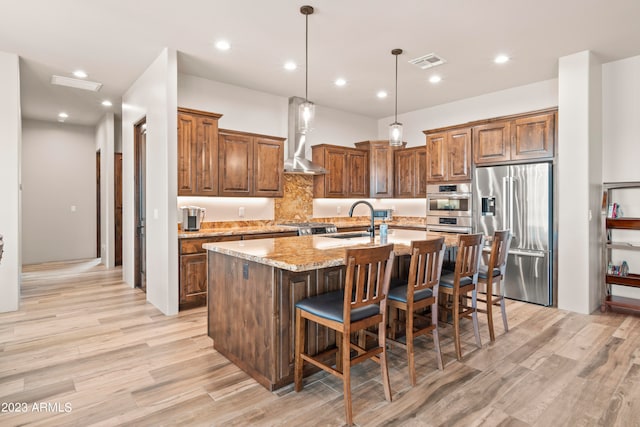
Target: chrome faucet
{"type": "Point", "coordinates": [372, 229]}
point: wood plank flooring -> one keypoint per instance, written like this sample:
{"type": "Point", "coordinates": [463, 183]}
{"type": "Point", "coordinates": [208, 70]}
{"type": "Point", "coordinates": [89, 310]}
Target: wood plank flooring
{"type": "Point", "coordinates": [85, 349]}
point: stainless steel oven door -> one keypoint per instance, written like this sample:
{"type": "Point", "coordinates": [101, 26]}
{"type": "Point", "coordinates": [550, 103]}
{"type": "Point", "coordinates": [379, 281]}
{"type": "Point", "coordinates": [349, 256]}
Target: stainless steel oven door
{"type": "Point", "coordinates": [454, 204]}
{"type": "Point", "coordinates": [459, 225]}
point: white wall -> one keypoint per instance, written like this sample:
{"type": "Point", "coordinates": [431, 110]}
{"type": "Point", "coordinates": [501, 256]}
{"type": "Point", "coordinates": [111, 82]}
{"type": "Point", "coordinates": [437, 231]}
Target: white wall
{"type": "Point", "coordinates": [621, 127]}
{"type": "Point", "coordinates": [10, 147]}
{"type": "Point", "coordinates": [105, 142]}
{"type": "Point", "coordinates": [516, 100]}
{"type": "Point", "coordinates": [579, 182]}
{"type": "Point", "coordinates": [228, 208]}
{"type": "Point", "coordinates": [327, 208]}
{"type": "Point", "coordinates": [154, 95]}
{"type": "Point", "coordinates": [58, 192]}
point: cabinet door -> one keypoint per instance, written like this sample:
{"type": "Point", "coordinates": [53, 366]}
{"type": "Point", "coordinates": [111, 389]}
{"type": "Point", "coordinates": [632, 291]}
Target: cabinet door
{"type": "Point", "coordinates": [357, 173]}
{"type": "Point", "coordinates": [381, 171]}
{"type": "Point", "coordinates": [335, 180]}
{"type": "Point", "coordinates": [187, 134]}
{"type": "Point", "coordinates": [491, 143]}
{"type": "Point", "coordinates": [405, 168]}
{"type": "Point", "coordinates": [533, 137]}
{"type": "Point", "coordinates": [235, 164]}
{"type": "Point", "coordinates": [206, 154]}
{"type": "Point", "coordinates": [268, 167]}
{"type": "Point", "coordinates": [459, 155]}
{"type": "Point", "coordinates": [436, 157]}
{"type": "Point", "coordinates": [421, 172]}
{"type": "Point", "coordinates": [193, 280]}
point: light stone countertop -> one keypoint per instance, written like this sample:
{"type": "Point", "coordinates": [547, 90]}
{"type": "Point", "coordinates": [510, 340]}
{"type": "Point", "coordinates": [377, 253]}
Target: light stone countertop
{"type": "Point", "coordinates": [303, 253]}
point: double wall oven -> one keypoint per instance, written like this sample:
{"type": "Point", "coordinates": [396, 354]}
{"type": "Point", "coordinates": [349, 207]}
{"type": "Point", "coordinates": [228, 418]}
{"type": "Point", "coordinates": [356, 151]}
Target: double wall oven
{"type": "Point", "coordinates": [449, 208]}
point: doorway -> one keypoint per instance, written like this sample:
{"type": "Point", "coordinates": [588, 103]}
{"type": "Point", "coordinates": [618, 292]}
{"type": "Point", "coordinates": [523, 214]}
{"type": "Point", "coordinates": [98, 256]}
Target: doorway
{"type": "Point", "coordinates": [140, 249]}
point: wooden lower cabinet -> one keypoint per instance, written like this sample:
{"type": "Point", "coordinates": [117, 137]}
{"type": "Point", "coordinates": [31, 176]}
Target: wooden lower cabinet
{"type": "Point", "coordinates": [251, 315]}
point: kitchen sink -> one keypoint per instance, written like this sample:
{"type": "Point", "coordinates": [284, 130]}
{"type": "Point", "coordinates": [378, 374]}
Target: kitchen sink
{"type": "Point", "coordinates": [347, 235]}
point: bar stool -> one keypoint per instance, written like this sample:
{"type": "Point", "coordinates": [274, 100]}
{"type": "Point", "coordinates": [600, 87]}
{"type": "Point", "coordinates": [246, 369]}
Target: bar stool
{"type": "Point", "coordinates": [493, 273]}
{"type": "Point", "coordinates": [463, 280]}
{"type": "Point", "coordinates": [360, 305]}
{"type": "Point", "coordinates": [419, 292]}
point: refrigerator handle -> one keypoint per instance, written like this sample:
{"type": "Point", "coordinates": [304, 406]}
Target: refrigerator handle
{"type": "Point", "coordinates": [511, 184]}
{"type": "Point", "coordinates": [504, 204]}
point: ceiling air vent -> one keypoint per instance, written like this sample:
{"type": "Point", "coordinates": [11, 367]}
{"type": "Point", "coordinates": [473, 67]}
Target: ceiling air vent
{"type": "Point", "coordinates": [75, 83]}
{"type": "Point", "coordinates": [427, 61]}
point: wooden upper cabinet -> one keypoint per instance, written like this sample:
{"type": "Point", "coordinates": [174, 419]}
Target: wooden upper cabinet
{"type": "Point", "coordinates": [410, 172]}
{"type": "Point", "coordinates": [381, 168]}
{"type": "Point", "coordinates": [459, 155]}
{"type": "Point", "coordinates": [347, 171]}
{"type": "Point", "coordinates": [250, 164]}
{"type": "Point", "coordinates": [449, 156]}
{"type": "Point", "coordinates": [235, 163]}
{"type": "Point", "coordinates": [357, 173]}
{"type": "Point", "coordinates": [492, 143]}
{"type": "Point", "coordinates": [533, 137]}
{"type": "Point", "coordinates": [268, 161]}
{"type": "Point", "coordinates": [197, 153]}
{"type": "Point", "coordinates": [515, 138]}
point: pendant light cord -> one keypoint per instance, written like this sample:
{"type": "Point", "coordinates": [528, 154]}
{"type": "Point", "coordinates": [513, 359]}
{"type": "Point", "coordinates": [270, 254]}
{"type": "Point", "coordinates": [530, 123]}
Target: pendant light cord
{"type": "Point", "coordinates": [396, 116]}
{"type": "Point", "coordinates": [306, 58]}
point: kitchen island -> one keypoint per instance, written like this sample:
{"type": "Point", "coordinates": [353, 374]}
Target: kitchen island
{"type": "Point", "coordinates": [253, 287]}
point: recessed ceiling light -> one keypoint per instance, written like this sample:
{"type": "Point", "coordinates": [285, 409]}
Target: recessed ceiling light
{"type": "Point", "coordinates": [340, 82]}
{"type": "Point", "coordinates": [290, 65]}
{"type": "Point", "coordinates": [223, 45]}
{"type": "Point", "coordinates": [435, 79]}
{"type": "Point", "coordinates": [381, 94]}
{"type": "Point", "coordinates": [501, 59]}
{"type": "Point", "coordinates": [107, 103]}
{"type": "Point", "coordinates": [63, 115]}
{"type": "Point", "coordinates": [80, 74]}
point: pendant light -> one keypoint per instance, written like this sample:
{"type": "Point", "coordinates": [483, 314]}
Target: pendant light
{"type": "Point", "coordinates": [306, 111]}
{"type": "Point", "coordinates": [395, 128]}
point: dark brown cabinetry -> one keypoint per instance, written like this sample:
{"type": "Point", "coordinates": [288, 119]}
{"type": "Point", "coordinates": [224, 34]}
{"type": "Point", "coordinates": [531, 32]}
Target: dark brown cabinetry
{"type": "Point", "coordinates": [193, 270]}
{"type": "Point", "coordinates": [410, 172]}
{"type": "Point", "coordinates": [197, 153]}
{"type": "Point", "coordinates": [250, 164]}
{"type": "Point", "coordinates": [381, 167]}
{"type": "Point", "coordinates": [449, 155]}
{"type": "Point", "coordinates": [521, 138]}
{"type": "Point", "coordinates": [348, 171]}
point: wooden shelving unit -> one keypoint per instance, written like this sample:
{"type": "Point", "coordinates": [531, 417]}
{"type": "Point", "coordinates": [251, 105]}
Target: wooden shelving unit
{"type": "Point", "coordinates": [631, 279]}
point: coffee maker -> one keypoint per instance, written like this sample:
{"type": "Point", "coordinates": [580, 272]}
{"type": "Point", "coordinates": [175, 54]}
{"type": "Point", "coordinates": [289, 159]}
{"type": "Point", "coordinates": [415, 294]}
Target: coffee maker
{"type": "Point", "coordinates": [192, 216]}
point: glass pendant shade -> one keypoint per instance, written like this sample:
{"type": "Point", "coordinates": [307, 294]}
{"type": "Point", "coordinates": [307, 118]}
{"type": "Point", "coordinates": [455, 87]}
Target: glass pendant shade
{"type": "Point", "coordinates": [306, 113]}
{"type": "Point", "coordinates": [395, 134]}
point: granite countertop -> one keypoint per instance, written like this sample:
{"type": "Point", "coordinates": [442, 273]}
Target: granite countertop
{"type": "Point", "coordinates": [302, 253]}
{"type": "Point", "coordinates": [233, 231]}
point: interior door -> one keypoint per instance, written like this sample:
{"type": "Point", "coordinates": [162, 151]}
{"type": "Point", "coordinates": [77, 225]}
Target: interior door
{"type": "Point", "coordinates": [140, 142]}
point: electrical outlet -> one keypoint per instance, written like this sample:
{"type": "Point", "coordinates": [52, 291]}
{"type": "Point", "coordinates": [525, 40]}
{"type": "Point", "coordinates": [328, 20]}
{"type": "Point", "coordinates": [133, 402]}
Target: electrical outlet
{"type": "Point", "coordinates": [73, 208]}
{"type": "Point", "coordinates": [339, 209]}
{"type": "Point", "coordinates": [393, 208]}
{"type": "Point", "coordinates": [241, 212]}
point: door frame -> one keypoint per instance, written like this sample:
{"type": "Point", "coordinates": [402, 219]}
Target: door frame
{"type": "Point", "coordinates": [139, 131]}
{"type": "Point", "coordinates": [98, 209]}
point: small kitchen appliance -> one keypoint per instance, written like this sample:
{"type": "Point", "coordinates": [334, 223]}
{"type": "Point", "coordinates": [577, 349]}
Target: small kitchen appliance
{"type": "Point", "coordinates": [192, 217]}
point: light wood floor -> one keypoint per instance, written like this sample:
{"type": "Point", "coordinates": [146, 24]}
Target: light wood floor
{"type": "Point", "coordinates": [84, 338]}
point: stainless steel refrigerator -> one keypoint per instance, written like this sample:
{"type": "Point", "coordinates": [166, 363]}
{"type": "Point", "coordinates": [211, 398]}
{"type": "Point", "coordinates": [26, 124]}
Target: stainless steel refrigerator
{"type": "Point", "coordinates": [519, 198]}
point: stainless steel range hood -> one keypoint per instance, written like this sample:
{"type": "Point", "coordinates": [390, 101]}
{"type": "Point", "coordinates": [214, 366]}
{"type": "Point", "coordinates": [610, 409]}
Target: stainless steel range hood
{"type": "Point", "coordinates": [297, 163]}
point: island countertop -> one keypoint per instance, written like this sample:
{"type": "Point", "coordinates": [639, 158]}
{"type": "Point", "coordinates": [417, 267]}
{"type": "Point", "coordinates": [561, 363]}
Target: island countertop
{"type": "Point", "coordinates": [304, 253]}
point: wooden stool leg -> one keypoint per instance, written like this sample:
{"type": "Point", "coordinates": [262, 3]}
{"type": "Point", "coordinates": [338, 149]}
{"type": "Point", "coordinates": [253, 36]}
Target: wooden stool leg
{"type": "Point", "coordinates": [503, 308]}
{"type": "Point", "coordinates": [409, 339]}
{"type": "Point", "coordinates": [474, 316]}
{"type": "Point", "coordinates": [299, 348]}
{"type": "Point", "coordinates": [384, 367]}
{"type": "Point", "coordinates": [339, 365]}
{"type": "Point", "coordinates": [489, 299]}
{"type": "Point", "coordinates": [346, 378]}
{"type": "Point", "coordinates": [436, 336]}
{"type": "Point", "coordinates": [456, 325]}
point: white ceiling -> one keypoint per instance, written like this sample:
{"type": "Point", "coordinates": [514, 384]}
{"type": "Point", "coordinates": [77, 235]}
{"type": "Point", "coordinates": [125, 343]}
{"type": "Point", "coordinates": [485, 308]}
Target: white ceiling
{"type": "Point", "coordinates": [114, 41]}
